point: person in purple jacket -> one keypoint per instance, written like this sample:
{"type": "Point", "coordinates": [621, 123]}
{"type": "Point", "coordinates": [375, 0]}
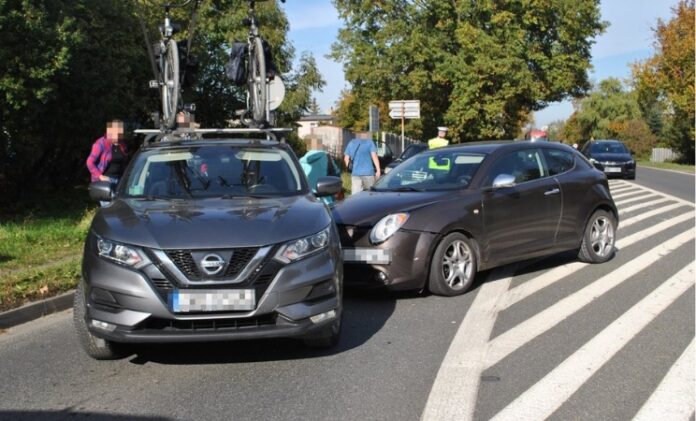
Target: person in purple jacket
{"type": "Point", "coordinates": [108, 157]}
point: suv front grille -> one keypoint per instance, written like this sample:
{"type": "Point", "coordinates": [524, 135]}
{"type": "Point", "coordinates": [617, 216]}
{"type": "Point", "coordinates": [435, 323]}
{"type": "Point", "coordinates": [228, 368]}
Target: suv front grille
{"type": "Point", "coordinates": [219, 325]}
{"type": "Point", "coordinates": [183, 259]}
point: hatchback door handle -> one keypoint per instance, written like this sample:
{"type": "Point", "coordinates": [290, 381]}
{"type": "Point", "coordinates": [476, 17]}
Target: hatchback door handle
{"type": "Point", "coordinates": [552, 191]}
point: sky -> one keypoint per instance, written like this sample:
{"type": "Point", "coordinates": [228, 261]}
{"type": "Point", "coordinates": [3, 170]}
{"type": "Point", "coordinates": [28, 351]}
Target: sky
{"type": "Point", "coordinates": [314, 26]}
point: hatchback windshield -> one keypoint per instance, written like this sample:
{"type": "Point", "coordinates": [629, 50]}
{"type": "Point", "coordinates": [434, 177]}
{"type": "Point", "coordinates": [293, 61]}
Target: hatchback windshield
{"type": "Point", "coordinates": [213, 171]}
{"type": "Point", "coordinates": [608, 147]}
{"type": "Point", "coordinates": [437, 170]}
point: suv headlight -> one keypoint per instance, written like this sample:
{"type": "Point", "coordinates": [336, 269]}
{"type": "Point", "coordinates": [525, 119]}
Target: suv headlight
{"type": "Point", "coordinates": [120, 253]}
{"type": "Point", "coordinates": [302, 247]}
{"type": "Point", "coordinates": [387, 226]}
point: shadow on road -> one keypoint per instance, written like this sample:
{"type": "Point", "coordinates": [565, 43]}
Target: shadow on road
{"type": "Point", "coordinates": [63, 415]}
{"type": "Point", "coordinates": [364, 314]}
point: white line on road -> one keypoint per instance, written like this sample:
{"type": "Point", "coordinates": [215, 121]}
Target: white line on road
{"type": "Point", "coordinates": [643, 205]}
{"type": "Point", "coordinates": [686, 202]}
{"type": "Point", "coordinates": [635, 199]}
{"type": "Point", "coordinates": [453, 395]}
{"type": "Point", "coordinates": [549, 393]}
{"type": "Point", "coordinates": [632, 192]}
{"type": "Point", "coordinates": [622, 189]}
{"type": "Point", "coordinates": [643, 216]}
{"type": "Point", "coordinates": [674, 397]}
{"type": "Point", "coordinates": [547, 278]}
{"type": "Point", "coordinates": [504, 344]}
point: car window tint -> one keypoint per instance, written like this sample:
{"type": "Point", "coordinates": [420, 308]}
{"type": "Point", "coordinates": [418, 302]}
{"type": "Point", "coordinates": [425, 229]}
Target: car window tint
{"type": "Point", "coordinates": [608, 147]}
{"type": "Point", "coordinates": [558, 161]}
{"type": "Point", "coordinates": [525, 165]}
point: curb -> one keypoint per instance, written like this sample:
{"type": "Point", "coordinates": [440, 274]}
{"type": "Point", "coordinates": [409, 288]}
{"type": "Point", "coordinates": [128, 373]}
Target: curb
{"type": "Point", "coordinates": [35, 310]}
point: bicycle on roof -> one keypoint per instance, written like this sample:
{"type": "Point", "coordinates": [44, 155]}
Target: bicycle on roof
{"type": "Point", "coordinates": [251, 64]}
{"type": "Point", "coordinates": [164, 60]}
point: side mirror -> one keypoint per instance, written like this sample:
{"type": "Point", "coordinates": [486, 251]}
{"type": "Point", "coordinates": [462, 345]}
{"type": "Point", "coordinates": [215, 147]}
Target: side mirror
{"type": "Point", "coordinates": [100, 190]}
{"type": "Point", "coordinates": [503, 180]}
{"type": "Point", "coordinates": [328, 186]}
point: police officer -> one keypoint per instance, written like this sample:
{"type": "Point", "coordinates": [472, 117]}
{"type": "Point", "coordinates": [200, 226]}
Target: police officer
{"type": "Point", "coordinates": [439, 141]}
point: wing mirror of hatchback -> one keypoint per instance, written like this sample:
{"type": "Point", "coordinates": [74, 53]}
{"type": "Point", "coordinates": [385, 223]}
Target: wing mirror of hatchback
{"type": "Point", "coordinates": [328, 186]}
{"type": "Point", "coordinates": [100, 190]}
{"type": "Point", "coordinates": [503, 180]}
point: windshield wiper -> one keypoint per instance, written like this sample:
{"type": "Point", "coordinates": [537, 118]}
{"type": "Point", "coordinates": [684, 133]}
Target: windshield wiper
{"type": "Point", "coordinates": [244, 196]}
{"type": "Point", "coordinates": [406, 189]}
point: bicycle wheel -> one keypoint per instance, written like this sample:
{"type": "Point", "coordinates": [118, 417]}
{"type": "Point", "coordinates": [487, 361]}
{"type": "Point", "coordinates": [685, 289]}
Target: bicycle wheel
{"type": "Point", "coordinates": [257, 82]}
{"type": "Point", "coordinates": [170, 85]}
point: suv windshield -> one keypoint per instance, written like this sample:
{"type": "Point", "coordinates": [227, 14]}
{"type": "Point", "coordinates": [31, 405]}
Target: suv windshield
{"type": "Point", "coordinates": [437, 170]}
{"type": "Point", "coordinates": [213, 171]}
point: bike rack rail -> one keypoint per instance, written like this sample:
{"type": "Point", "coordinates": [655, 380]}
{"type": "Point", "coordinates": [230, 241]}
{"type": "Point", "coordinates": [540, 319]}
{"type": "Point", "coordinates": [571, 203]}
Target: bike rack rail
{"type": "Point", "coordinates": [186, 133]}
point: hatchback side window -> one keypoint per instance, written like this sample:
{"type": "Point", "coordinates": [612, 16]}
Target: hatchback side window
{"type": "Point", "coordinates": [525, 165]}
{"type": "Point", "coordinates": [558, 161]}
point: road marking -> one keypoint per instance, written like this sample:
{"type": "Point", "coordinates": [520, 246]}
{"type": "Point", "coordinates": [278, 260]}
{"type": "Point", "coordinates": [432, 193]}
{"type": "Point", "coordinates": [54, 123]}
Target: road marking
{"type": "Point", "coordinates": [453, 394]}
{"type": "Point", "coordinates": [632, 220]}
{"type": "Point", "coordinates": [522, 291]}
{"type": "Point", "coordinates": [632, 192]}
{"type": "Point", "coordinates": [674, 397]}
{"type": "Point", "coordinates": [674, 171]}
{"type": "Point", "coordinates": [622, 189]}
{"type": "Point", "coordinates": [647, 233]}
{"type": "Point", "coordinates": [686, 202]}
{"type": "Point", "coordinates": [643, 205]}
{"type": "Point", "coordinates": [504, 344]}
{"type": "Point", "coordinates": [635, 199]}
{"type": "Point", "coordinates": [549, 393]}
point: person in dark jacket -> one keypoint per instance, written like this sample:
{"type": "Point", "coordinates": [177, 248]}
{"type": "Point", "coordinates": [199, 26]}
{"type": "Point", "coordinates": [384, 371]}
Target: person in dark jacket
{"type": "Point", "coordinates": [108, 158]}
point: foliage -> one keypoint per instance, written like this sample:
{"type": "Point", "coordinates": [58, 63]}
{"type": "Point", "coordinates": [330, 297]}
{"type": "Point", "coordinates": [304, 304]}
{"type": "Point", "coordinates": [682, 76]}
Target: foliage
{"type": "Point", "coordinates": [665, 82]}
{"type": "Point", "coordinates": [72, 65]}
{"type": "Point", "coordinates": [479, 67]}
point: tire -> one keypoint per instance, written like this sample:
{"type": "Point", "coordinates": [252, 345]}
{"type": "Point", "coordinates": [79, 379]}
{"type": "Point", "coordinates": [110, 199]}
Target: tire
{"type": "Point", "coordinates": [170, 85]}
{"type": "Point", "coordinates": [257, 83]}
{"type": "Point", "coordinates": [453, 266]}
{"type": "Point", "coordinates": [325, 338]}
{"type": "Point", "coordinates": [598, 238]}
{"type": "Point", "coordinates": [97, 348]}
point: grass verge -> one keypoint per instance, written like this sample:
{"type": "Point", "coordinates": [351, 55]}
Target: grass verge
{"type": "Point", "coordinates": [667, 166]}
{"type": "Point", "coordinates": [34, 284]}
{"type": "Point", "coordinates": [41, 239]}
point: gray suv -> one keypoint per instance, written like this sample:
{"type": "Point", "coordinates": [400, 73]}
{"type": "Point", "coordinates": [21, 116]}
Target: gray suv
{"type": "Point", "coordinates": [208, 240]}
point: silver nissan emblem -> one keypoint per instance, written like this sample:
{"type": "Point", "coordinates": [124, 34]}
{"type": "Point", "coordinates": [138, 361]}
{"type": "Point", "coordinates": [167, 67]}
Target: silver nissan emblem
{"type": "Point", "coordinates": [212, 264]}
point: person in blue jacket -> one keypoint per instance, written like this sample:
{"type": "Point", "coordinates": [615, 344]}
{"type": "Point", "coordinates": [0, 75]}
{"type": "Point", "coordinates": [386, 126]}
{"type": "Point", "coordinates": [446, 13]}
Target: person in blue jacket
{"type": "Point", "coordinates": [318, 163]}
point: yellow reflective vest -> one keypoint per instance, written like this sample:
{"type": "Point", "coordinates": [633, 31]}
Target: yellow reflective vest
{"type": "Point", "coordinates": [437, 142]}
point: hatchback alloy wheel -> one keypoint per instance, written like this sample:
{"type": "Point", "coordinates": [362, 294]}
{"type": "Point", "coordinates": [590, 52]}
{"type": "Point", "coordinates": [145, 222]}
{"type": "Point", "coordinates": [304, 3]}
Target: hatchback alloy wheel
{"type": "Point", "coordinates": [453, 266]}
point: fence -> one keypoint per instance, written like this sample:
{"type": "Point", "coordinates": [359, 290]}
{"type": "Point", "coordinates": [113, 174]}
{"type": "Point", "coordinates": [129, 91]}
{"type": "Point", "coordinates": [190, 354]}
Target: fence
{"type": "Point", "coordinates": [663, 154]}
{"type": "Point", "coordinates": [394, 142]}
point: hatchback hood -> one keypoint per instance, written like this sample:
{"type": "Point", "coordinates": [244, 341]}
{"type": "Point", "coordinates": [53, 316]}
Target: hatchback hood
{"type": "Point", "coordinates": [613, 157]}
{"type": "Point", "coordinates": [368, 207]}
{"type": "Point", "coordinates": [210, 223]}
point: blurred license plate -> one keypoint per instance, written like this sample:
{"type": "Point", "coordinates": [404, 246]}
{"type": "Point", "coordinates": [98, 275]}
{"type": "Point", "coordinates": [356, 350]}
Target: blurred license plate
{"type": "Point", "coordinates": [185, 301]}
{"type": "Point", "coordinates": [612, 169]}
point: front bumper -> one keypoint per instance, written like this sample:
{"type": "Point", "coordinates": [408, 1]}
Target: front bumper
{"type": "Point", "coordinates": [134, 303]}
{"type": "Point", "coordinates": [617, 169]}
{"type": "Point", "coordinates": [400, 263]}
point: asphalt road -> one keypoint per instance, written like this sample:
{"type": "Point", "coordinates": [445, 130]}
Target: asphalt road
{"type": "Point", "coordinates": [551, 338]}
{"type": "Point", "coordinates": [674, 183]}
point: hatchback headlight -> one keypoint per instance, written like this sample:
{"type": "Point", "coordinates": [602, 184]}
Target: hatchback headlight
{"type": "Point", "coordinates": [387, 226]}
{"type": "Point", "coordinates": [120, 253]}
{"type": "Point", "coordinates": [302, 247]}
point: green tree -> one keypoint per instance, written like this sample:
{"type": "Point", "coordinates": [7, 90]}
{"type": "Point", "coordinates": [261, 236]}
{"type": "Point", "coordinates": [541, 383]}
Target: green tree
{"type": "Point", "coordinates": [479, 67]}
{"type": "Point", "coordinates": [665, 82]}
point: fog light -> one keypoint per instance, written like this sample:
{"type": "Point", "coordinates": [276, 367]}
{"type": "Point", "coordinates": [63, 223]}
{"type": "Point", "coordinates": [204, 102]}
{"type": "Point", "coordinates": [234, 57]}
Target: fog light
{"type": "Point", "coordinates": [323, 316]}
{"type": "Point", "coordinates": [103, 325]}
{"type": "Point", "coordinates": [381, 276]}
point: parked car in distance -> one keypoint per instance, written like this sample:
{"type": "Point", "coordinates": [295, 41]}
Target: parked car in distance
{"type": "Point", "coordinates": [385, 155]}
{"type": "Point", "coordinates": [445, 214]}
{"type": "Point", "coordinates": [208, 240]}
{"type": "Point", "coordinates": [612, 157]}
{"type": "Point", "coordinates": [410, 150]}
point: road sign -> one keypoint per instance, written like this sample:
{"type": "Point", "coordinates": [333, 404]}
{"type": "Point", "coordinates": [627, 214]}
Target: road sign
{"type": "Point", "coordinates": [408, 109]}
{"type": "Point", "coordinates": [374, 119]}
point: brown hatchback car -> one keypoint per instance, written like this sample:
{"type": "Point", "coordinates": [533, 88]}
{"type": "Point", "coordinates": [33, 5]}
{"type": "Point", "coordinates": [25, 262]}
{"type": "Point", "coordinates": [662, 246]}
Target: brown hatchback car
{"type": "Point", "coordinates": [442, 215]}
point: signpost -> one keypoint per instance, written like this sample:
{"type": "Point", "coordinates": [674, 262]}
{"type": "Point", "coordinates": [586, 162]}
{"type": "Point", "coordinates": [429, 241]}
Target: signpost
{"type": "Point", "coordinates": [374, 119]}
{"type": "Point", "coordinates": [404, 109]}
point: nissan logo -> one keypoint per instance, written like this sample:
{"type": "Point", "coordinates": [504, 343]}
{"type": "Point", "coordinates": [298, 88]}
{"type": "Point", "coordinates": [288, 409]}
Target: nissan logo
{"type": "Point", "coordinates": [212, 264]}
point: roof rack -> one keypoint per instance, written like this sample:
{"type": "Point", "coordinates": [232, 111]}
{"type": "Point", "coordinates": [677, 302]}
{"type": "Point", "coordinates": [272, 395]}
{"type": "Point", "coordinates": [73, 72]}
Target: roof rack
{"type": "Point", "coordinates": [185, 133]}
